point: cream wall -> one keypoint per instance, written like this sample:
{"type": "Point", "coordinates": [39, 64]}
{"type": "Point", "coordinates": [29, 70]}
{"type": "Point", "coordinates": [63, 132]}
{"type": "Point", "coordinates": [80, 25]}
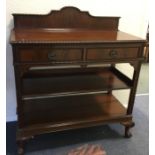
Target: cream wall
{"type": "Point", "coordinates": [134, 20]}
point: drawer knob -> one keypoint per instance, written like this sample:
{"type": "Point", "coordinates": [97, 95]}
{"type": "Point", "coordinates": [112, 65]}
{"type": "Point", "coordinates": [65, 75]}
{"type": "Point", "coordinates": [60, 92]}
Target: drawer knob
{"type": "Point", "coordinates": [51, 55]}
{"type": "Point", "coordinates": [113, 53]}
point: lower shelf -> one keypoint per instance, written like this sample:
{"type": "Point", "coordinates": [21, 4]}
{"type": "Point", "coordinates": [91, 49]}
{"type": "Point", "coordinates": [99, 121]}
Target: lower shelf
{"type": "Point", "coordinates": [49, 115]}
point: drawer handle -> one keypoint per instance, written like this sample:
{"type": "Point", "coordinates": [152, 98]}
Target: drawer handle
{"type": "Point", "coordinates": [51, 55]}
{"type": "Point", "coordinates": [113, 53]}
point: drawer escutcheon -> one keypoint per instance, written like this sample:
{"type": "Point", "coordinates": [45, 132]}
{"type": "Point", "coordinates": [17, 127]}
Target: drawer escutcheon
{"type": "Point", "coordinates": [51, 55]}
{"type": "Point", "coordinates": [113, 53]}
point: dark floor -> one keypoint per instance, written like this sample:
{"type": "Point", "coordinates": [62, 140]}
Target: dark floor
{"type": "Point", "coordinates": [110, 137]}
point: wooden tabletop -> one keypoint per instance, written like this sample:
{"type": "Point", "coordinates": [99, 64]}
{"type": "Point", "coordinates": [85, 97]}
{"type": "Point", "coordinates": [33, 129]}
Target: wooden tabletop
{"type": "Point", "coordinates": [70, 35]}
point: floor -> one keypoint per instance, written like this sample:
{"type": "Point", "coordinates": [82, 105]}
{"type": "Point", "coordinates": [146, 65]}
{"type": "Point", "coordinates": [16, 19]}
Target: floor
{"type": "Point", "coordinates": [109, 137]}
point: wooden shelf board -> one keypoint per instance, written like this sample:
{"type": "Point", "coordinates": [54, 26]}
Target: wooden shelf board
{"type": "Point", "coordinates": [48, 115]}
{"type": "Point", "coordinates": [70, 35]}
{"type": "Point", "coordinates": [72, 84]}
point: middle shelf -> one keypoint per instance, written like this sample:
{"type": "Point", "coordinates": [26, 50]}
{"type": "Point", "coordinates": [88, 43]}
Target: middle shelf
{"type": "Point", "coordinates": [74, 84]}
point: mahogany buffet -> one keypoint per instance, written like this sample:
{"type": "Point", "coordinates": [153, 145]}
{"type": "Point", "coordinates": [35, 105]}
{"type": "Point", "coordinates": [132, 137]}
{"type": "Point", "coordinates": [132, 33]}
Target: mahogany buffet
{"type": "Point", "coordinates": [65, 72]}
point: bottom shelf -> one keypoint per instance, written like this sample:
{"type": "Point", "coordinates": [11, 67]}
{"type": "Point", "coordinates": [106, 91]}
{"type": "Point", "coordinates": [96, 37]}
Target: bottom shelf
{"type": "Point", "coordinates": [56, 114]}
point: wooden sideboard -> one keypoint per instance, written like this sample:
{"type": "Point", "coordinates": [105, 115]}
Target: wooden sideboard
{"type": "Point", "coordinates": [65, 72]}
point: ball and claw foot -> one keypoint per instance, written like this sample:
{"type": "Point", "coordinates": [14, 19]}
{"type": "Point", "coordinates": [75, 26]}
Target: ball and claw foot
{"type": "Point", "coordinates": [21, 143]}
{"type": "Point", "coordinates": [20, 149]}
{"type": "Point", "coordinates": [127, 132]}
{"type": "Point", "coordinates": [128, 126]}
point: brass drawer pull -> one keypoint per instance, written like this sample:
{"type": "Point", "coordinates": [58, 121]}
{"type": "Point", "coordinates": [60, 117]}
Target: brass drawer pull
{"type": "Point", "coordinates": [113, 53]}
{"type": "Point", "coordinates": [51, 55]}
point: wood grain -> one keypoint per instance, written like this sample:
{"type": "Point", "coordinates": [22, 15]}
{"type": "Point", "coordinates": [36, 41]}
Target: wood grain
{"type": "Point", "coordinates": [70, 37]}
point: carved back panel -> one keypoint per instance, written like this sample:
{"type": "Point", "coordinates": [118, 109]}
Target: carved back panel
{"type": "Point", "coordinates": [67, 17]}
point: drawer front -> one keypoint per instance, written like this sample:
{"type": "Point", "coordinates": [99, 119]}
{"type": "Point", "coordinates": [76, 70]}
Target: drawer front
{"type": "Point", "coordinates": [111, 53]}
{"type": "Point", "coordinates": [48, 55]}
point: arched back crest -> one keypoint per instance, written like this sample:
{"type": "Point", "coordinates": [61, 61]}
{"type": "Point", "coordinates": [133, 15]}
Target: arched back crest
{"type": "Point", "coordinates": [67, 17]}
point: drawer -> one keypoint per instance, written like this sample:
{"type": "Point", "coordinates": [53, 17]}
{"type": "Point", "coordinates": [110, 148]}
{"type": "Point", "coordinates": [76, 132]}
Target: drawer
{"type": "Point", "coordinates": [48, 54]}
{"type": "Point", "coordinates": [111, 53]}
